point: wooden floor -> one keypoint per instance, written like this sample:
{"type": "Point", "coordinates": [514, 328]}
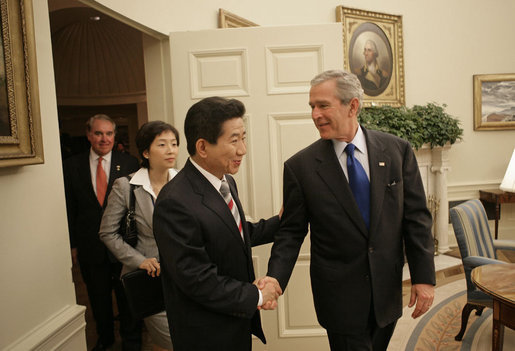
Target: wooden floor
{"type": "Point", "coordinates": [91, 335]}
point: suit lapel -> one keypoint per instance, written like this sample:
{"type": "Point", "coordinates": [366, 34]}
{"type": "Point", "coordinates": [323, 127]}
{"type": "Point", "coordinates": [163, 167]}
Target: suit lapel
{"type": "Point", "coordinates": [330, 170]}
{"type": "Point", "coordinates": [144, 200]}
{"type": "Point", "coordinates": [85, 178]}
{"type": "Point", "coordinates": [379, 162]}
{"type": "Point", "coordinates": [114, 171]}
{"type": "Point", "coordinates": [212, 199]}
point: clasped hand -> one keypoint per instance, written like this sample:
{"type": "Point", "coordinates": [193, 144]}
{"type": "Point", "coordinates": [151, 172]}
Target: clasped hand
{"type": "Point", "coordinates": [271, 290]}
{"type": "Point", "coordinates": [152, 267]}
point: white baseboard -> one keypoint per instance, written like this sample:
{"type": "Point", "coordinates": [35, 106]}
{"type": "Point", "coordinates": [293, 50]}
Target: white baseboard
{"type": "Point", "coordinates": [65, 330]}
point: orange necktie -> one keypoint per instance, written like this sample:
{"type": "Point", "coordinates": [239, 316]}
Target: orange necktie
{"type": "Point", "coordinates": [101, 182]}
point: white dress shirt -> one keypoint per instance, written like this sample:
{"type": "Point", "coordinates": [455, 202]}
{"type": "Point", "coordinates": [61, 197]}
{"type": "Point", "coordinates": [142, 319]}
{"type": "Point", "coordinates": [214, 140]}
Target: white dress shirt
{"type": "Point", "coordinates": [360, 152]}
{"type": "Point", "coordinates": [141, 178]}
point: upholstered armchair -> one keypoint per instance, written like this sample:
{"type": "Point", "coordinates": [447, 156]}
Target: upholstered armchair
{"type": "Point", "coordinates": [476, 248]}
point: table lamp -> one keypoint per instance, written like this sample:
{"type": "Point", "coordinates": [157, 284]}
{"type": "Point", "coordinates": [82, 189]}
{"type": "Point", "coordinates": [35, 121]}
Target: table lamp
{"type": "Point", "coordinates": [508, 183]}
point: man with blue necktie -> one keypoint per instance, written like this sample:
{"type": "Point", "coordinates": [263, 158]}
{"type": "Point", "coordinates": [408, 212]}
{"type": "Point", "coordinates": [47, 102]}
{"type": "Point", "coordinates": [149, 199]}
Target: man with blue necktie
{"type": "Point", "coordinates": [360, 194]}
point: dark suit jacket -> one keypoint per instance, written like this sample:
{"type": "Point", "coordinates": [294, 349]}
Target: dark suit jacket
{"type": "Point", "coordinates": [84, 211]}
{"type": "Point", "coordinates": [353, 269]}
{"type": "Point", "coordinates": [206, 267]}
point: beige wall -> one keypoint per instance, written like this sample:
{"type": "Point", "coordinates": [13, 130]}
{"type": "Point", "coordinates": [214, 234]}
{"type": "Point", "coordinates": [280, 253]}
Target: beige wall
{"type": "Point", "coordinates": [445, 43]}
{"type": "Point", "coordinates": [35, 267]}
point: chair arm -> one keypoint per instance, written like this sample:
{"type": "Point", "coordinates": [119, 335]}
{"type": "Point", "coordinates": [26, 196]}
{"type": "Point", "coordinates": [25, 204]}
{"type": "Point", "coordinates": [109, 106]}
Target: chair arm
{"type": "Point", "coordinates": [504, 244]}
{"type": "Point", "coordinates": [475, 261]}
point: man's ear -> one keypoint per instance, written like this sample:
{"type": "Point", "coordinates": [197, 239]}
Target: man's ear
{"type": "Point", "coordinates": [354, 106]}
{"type": "Point", "coordinates": [201, 146]}
{"type": "Point", "coordinates": [145, 154]}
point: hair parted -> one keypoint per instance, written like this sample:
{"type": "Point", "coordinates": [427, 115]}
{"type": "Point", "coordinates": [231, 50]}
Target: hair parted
{"type": "Point", "coordinates": [148, 133]}
{"type": "Point", "coordinates": [205, 118]}
{"type": "Point", "coordinates": [348, 85]}
{"type": "Point", "coordinates": [89, 122]}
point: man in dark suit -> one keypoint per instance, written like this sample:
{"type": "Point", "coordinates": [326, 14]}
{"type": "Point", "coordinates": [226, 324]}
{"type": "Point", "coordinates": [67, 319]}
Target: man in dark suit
{"type": "Point", "coordinates": [357, 251]}
{"type": "Point", "coordinates": [204, 240]}
{"type": "Point", "coordinates": [86, 198]}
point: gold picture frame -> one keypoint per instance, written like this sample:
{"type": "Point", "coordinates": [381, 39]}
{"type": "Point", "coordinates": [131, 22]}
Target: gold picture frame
{"type": "Point", "coordinates": [494, 101]}
{"type": "Point", "coordinates": [227, 19]}
{"type": "Point", "coordinates": [20, 121]}
{"type": "Point", "coordinates": [373, 50]}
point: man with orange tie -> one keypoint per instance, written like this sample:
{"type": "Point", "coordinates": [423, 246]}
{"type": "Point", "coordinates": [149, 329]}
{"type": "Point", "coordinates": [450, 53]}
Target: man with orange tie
{"type": "Point", "coordinates": [88, 178]}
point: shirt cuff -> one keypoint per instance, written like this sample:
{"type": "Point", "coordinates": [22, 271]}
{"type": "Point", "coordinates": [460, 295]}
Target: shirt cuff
{"type": "Point", "coordinates": [260, 301]}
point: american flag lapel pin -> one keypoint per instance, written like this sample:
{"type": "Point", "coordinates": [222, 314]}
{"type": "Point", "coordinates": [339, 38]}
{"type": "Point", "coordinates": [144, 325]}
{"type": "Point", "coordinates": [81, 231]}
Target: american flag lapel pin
{"type": "Point", "coordinates": [381, 164]}
{"type": "Point", "coordinates": [118, 168]}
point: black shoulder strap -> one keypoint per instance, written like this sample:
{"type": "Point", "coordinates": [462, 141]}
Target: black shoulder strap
{"type": "Point", "coordinates": [132, 198]}
{"type": "Point", "coordinates": [129, 232]}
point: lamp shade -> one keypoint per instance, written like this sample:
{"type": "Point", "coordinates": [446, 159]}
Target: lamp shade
{"type": "Point", "coordinates": [508, 183]}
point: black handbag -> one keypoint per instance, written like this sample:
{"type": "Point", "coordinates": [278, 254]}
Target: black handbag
{"type": "Point", "coordinates": [144, 293]}
{"type": "Point", "coordinates": [128, 229]}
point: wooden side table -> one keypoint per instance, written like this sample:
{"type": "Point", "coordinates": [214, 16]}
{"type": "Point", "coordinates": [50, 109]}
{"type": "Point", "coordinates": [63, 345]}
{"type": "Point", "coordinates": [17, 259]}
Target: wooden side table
{"type": "Point", "coordinates": [496, 197]}
{"type": "Point", "coordinates": [496, 280]}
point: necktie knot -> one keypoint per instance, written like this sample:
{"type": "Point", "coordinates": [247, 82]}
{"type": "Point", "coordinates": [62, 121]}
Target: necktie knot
{"type": "Point", "coordinates": [349, 149]}
{"type": "Point", "coordinates": [224, 189]}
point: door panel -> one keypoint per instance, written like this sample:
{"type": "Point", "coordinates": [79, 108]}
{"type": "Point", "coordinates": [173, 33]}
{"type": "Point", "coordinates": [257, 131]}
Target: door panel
{"type": "Point", "coordinates": [269, 70]}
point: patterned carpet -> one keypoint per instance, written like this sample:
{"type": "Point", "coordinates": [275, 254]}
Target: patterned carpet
{"type": "Point", "coordinates": [437, 328]}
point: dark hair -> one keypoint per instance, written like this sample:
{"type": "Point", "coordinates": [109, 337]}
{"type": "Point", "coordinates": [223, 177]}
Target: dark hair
{"type": "Point", "coordinates": [205, 118]}
{"type": "Point", "coordinates": [148, 133]}
{"type": "Point", "coordinates": [89, 122]}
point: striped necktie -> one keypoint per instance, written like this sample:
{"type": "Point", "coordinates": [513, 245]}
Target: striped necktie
{"type": "Point", "coordinates": [226, 193]}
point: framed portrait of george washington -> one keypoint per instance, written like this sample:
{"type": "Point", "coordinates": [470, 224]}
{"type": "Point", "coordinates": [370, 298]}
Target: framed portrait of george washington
{"type": "Point", "coordinates": [20, 122]}
{"type": "Point", "coordinates": [373, 51]}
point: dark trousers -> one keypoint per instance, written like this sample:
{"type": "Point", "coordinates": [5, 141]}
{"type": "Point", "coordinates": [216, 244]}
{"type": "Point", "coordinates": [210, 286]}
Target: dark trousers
{"type": "Point", "coordinates": [373, 338]}
{"type": "Point", "coordinates": [101, 279]}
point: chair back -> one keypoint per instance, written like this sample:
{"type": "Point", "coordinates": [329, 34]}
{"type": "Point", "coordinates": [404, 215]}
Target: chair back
{"type": "Point", "coordinates": [471, 229]}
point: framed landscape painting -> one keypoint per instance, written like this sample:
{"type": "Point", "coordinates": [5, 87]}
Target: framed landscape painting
{"type": "Point", "coordinates": [494, 101]}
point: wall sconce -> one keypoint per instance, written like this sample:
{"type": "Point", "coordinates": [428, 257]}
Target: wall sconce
{"type": "Point", "coordinates": [508, 183]}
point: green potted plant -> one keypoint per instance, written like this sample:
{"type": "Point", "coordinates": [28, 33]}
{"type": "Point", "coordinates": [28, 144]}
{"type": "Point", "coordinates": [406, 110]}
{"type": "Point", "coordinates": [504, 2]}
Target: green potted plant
{"type": "Point", "coordinates": [420, 125]}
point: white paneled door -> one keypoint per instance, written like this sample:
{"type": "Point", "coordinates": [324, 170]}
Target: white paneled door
{"type": "Point", "coordinates": [269, 70]}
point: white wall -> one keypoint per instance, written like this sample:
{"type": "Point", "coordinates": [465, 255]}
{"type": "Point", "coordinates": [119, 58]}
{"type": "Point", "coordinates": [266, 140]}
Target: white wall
{"type": "Point", "coordinates": [36, 281]}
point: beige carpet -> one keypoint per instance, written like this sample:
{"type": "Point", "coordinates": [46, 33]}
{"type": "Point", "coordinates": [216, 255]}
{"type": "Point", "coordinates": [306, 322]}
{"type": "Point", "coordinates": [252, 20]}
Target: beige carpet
{"type": "Point", "coordinates": [437, 328]}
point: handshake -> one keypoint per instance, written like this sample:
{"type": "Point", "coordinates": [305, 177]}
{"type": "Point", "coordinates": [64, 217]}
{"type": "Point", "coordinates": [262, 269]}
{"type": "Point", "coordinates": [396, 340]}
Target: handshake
{"type": "Point", "coordinates": [271, 290]}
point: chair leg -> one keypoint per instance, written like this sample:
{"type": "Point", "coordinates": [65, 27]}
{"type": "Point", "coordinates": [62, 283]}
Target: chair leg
{"type": "Point", "coordinates": [479, 310]}
{"type": "Point", "coordinates": [465, 313]}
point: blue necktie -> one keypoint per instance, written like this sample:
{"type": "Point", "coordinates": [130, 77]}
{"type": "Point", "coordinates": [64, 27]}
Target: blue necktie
{"type": "Point", "coordinates": [359, 183]}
